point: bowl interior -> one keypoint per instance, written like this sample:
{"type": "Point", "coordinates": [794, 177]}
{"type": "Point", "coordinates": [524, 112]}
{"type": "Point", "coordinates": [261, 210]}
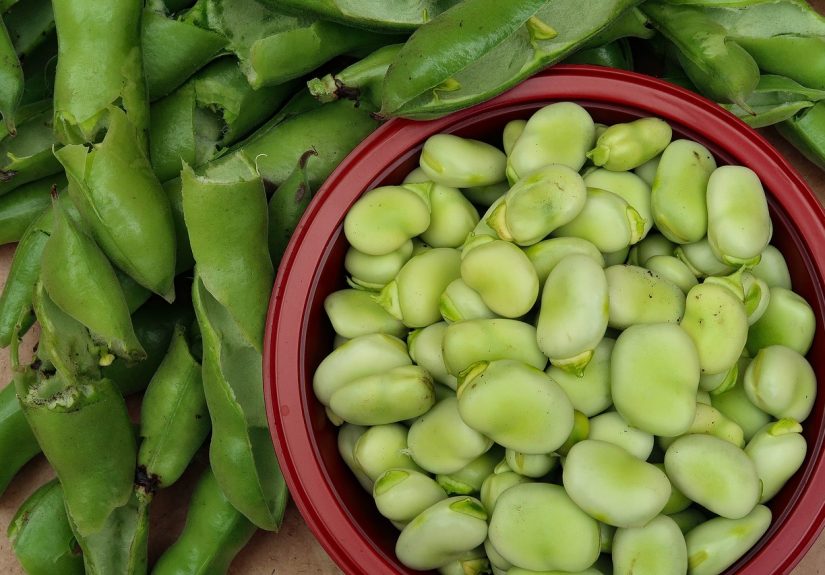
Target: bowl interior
{"type": "Point", "coordinates": [314, 342]}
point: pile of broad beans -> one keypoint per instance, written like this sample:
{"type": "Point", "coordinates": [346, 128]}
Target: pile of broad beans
{"type": "Point", "coordinates": [580, 354]}
{"type": "Point", "coordinates": [156, 156]}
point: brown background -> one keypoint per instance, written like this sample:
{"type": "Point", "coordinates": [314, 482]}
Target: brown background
{"type": "Point", "coordinates": [292, 551]}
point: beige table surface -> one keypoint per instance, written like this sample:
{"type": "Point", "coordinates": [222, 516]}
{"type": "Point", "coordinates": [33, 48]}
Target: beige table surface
{"type": "Point", "coordinates": [292, 551]}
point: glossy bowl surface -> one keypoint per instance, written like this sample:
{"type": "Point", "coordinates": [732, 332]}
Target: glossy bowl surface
{"type": "Point", "coordinates": [338, 511]}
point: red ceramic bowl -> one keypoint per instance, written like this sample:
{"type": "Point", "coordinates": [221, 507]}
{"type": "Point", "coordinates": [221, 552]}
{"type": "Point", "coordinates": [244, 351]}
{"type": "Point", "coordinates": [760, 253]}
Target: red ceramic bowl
{"type": "Point", "coordinates": [341, 514]}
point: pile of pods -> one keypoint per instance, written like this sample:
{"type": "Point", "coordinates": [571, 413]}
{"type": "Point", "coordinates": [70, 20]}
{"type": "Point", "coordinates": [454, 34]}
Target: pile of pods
{"type": "Point", "coordinates": [602, 373]}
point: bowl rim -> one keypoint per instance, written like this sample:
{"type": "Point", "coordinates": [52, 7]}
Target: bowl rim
{"type": "Point", "coordinates": [286, 405]}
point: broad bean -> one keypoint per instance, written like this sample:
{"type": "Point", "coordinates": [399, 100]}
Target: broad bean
{"type": "Point", "coordinates": [714, 473]}
{"type": "Point", "coordinates": [470, 478]}
{"type": "Point", "coordinates": [502, 275]}
{"type": "Point", "coordinates": [461, 162]}
{"type": "Point", "coordinates": [546, 254]}
{"type": "Point", "coordinates": [560, 133]}
{"type": "Point", "coordinates": [606, 220]}
{"type": "Point", "coordinates": [657, 548]}
{"type": "Point", "coordinates": [515, 405]}
{"type": "Point", "coordinates": [612, 428]}
{"type": "Point", "coordinates": [442, 533]}
{"type": "Point", "coordinates": [589, 392]}
{"type": "Point", "coordinates": [788, 320]}
{"type": "Point", "coordinates": [626, 146]}
{"type": "Point", "coordinates": [614, 486]}
{"type": "Point", "coordinates": [638, 296]}
{"type": "Point", "coordinates": [441, 441]}
{"type": "Point", "coordinates": [354, 312]}
{"type": "Point", "coordinates": [403, 494]}
{"type": "Point", "coordinates": [574, 312]}
{"type": "Point", "coordinates": [537, 526]}
{"type": "Point", "coordinates": [654, 374]}
{"type": "Point", "coordinates": [384, 219]}
{"type": "Point", "coordinates": [460, 302]}
{"type": "Point", "coordinates": [777, 451]}
{"type": "Point", "coordinates": [781, 382]}
{"type": "Point", "coordinates": [717, 323]}
{"type": "Point", "coordinates": [716, 544]}
{"type": "Point", "coordinates": [413, 296]}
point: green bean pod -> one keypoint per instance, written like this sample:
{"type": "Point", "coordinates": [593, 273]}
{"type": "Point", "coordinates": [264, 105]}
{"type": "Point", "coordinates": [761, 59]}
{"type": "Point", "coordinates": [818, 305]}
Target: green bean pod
{"type": "Point", "coordinates": [240, 452]}
{"type": "Point", "coordinates": [718, 543]}
{"type": "Point", "coordinates": [123, 204]}
{"type": "Point", "coordinates": [28, 156]}
{"type": "Point", "coordinates": [361, 81]}
{"type": "Point", "coordinates": [715, 474]}
{"type": "Point", "coordinates": [41, 537]}
{"type": "Point", "coordinates": [612, 428]}
{"type": "Point", "coordinates": [804, 131]}
{"type": "Point", "coordinates": [607, 221]}
{"type": "Point", "coordinates": [287, 205]}
{"type": "Point", "coordinates": [717, 322]}
{"type": "Point", "coordinates": [775, 99]}
{"type": "Point", "coordinates": [24, 205]}
{"type": "Point", "coordinates": [16, 300]}
{"type": "Point", "coordinates": [244, 298]}
{"type": "Point", "coordinates": [788, 320]}
{"type": "Point", "coordinates": [17, 443]}
{"type": "Point", "coordinates": [679, 191]}
{"type": "Point", "coordinates": [538, 203]}
{"type": "Point", "coordinates": [559, 133]}
{"type": "Point", "coordinates": [174, 420]}
{"type": "Point", "coordinates": [109, 39]}
{"type": "Point", "coordinates": [30, 25]}
{"type": "Point", "coordinates": [213, 535]}
{"type": "Point", "coordinates": [441, 442]}
{"type": "Point", "coordinates": [266, 40]}
{"type": "Point", "coordinates": [174, 49]}
{"type": "Point", "coordinates": [502, 275]}
{"type": "Point", "coordinates": [387, 17]}
{"type": "Point", "coordinates": [80, 280]}
{"type": "Point", "coordinates": [626, 146]}
{"type": "Point", "coordinates": [654, 375]}
{"type": "Point", "coordinates": [637, 295]}
{"type": "Point", "coordinates": [383, 447]}
{"type": "Point", "coordinates": [537, 526]}
{"type": "Point", "coordinates": [781, 382]}
{"type": "Point", "coordinates": [777, 450]}
{"type": "Point", "coordinates": [721, 68]}
{"type": "Point", "coordinates": [574, 312]}
{"type": "Point", "coordinates": [784, 37]}
{"type": "Point", "coordinates": [516, 405]}
{"type": "Point", "coordinates": [11, 81]}
{"type": "Point", "coordinates": [86, 435]}
{"type": "Point", "coordinates": [272, 151]}
{"type": "Point", "coordinates": [213, 110]}
{"type": "Point", "coordinates": [613, 55]}
{"type": "Point", "coordinates": [443, 66]}
{"type": "Point", "coordinates": [121, 545]}
{"type": "Point", "coordinates": [589, 392]}
{"type": "Point", "coordinates": [442, 533]}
